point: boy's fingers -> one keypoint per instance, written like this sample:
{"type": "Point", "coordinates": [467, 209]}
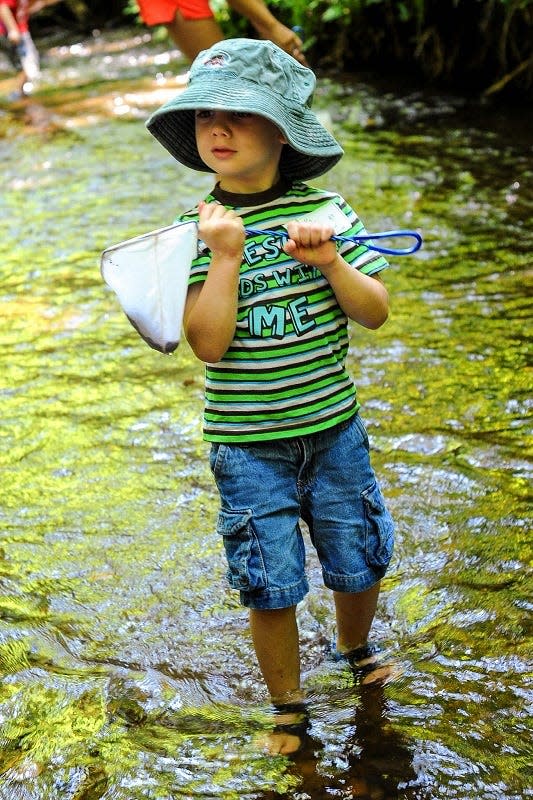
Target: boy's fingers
{"type": "Point", "coordinates": [216, 211]}
{"type": "Point", "coordinates": [306, 235]}
{"type": "Point", "coordinates": [208, 209]}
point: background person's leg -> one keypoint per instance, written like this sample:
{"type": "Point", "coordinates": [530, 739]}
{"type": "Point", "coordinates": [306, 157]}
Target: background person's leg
{"type": "Point", "coordinates": [194, 35]}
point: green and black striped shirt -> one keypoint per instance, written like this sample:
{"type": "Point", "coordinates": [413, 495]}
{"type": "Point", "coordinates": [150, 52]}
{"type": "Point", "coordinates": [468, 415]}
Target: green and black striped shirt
{"type": "Point", "coordinates": [284, 373]}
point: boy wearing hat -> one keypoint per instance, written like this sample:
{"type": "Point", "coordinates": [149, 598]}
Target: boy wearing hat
{"type": "Point", "coordinates": [267, 311]}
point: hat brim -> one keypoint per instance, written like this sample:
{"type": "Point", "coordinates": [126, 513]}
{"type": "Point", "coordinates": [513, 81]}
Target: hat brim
{"type": "Point", "coordinates": [310, 150]}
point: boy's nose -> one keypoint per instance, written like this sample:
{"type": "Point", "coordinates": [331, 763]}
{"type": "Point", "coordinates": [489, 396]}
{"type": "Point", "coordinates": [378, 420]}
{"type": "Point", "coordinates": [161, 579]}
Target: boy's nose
{"type": "Point", "coordinates": [220, 123]}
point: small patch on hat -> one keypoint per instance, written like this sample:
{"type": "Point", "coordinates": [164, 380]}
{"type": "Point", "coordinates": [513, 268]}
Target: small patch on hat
{"type": "Point", "coordinates": [219, 60]}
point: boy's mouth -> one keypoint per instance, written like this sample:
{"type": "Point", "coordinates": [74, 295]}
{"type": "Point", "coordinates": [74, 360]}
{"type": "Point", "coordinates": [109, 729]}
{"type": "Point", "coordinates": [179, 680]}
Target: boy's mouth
{"type": "Point", "coordinates": [222, 152]}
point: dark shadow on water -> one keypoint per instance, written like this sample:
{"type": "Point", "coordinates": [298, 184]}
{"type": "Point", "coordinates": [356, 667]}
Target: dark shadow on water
{"type": "Point", "coordinates": [373, 762]}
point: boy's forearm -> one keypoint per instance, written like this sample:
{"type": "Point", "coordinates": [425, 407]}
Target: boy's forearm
{"type": "Point", "coordinates": [363, 298]}
{"type": "Point", "coordinates": [210, 322]}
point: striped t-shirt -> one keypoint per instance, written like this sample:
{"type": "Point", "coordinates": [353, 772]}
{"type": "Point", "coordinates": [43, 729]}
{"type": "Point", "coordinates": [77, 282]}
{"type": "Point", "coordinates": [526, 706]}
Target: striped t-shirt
{"type": "Point", "coordinates": [284, 373]}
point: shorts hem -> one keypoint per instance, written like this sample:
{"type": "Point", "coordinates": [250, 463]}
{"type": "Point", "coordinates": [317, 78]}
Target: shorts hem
{"type": "Point", "coordinates": [270, 600]}
{"type": "Point", "coordinates": [353, 583]}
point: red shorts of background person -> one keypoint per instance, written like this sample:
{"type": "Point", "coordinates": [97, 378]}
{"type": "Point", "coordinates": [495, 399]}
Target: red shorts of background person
{"type": "Point", "coordinates": [20, 12]}
{"type": "Point", "coordinates": [161, 12]}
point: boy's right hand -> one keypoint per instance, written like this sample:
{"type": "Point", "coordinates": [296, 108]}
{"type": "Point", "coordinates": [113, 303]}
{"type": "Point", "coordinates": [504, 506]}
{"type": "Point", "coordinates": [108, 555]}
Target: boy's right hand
{"type": "Point", "coordinates": [222, 230]}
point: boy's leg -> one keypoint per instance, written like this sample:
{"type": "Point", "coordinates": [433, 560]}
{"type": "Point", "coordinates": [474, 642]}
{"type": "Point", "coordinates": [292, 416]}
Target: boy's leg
{"type": "Point", "coordinates": [354, 613]}
{"type": "Point", "coordinates": [259, 525]}
{"type": "Point", "coordinates": [275, 638]}
{"type": "Point", "coordinates": [354, 617]}
{"type": "Point", "coordinates": [352, 531]}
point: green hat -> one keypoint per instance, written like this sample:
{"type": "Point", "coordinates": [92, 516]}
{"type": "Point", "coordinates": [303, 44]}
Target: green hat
{"type": "Point", "coordinates": [256, 77]}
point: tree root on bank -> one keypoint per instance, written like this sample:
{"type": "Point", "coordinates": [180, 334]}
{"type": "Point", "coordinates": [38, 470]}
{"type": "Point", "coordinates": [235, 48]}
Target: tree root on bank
{"type": "Point", "coordinates": [500, 84]}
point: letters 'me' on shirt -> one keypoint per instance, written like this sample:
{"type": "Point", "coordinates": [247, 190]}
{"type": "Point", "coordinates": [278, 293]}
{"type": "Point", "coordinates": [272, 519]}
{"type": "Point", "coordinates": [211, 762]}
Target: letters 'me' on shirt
{"type": "Point", "coordinates": [284, 373]}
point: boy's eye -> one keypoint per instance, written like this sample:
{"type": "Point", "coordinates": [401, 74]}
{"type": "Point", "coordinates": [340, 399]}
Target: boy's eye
{"type": "Point", "coordinates": [209, 114]}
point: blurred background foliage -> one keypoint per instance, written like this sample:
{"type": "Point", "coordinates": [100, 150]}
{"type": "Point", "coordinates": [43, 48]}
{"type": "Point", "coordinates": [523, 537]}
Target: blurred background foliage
{"type": "Point", "coordinates": [480, 46]}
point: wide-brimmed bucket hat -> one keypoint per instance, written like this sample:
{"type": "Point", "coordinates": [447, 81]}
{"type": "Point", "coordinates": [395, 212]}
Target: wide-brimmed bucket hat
{"type": "Point", "coordinates": [257, 77]}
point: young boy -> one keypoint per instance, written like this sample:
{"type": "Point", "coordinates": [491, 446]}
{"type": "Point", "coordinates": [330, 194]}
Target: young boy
{"type": "Point", "coordinates": [268, 314]}
{"type": "Point", "coordinates": [16, 42]}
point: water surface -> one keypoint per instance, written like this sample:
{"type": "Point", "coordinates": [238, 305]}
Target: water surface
{"type": "Point", "coordinates": [127, 668]}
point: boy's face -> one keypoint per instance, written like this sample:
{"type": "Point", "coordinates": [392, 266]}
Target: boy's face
{"type": "Point", "coordinates": [242, 149]}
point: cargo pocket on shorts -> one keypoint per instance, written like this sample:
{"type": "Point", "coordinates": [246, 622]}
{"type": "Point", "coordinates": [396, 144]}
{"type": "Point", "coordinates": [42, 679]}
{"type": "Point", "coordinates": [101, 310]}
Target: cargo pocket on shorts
{"type": "Point", "coordinates": [246, 570]}
{"type": "Point", "coordinates": [379, 528]}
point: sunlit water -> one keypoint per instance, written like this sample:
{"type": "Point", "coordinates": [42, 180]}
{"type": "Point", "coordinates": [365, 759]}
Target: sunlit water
{"type": "Point", "coordinates": [127, 669]}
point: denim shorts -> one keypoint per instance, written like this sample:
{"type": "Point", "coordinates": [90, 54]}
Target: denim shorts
{"type": "Point", "coordinates": [325, 479]}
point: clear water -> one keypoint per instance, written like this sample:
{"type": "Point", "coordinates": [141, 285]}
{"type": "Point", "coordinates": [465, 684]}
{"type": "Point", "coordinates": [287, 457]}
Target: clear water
{"type": "Point", "coordinates": [127, 669]}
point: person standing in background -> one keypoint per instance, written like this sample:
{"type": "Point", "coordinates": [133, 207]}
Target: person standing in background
{"type": "Point", "coordinates": [16, 42]}
{"type": "Point", "coordinates": [193, 27]}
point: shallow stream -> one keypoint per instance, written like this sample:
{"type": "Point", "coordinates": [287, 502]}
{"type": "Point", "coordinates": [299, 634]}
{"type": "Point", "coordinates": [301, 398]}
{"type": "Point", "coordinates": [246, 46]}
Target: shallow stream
{"type": "Point", "coordinates": [127, 669]}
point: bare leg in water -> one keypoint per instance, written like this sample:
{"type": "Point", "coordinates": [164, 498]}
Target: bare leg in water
{"type": "Point", "coordinates": [354, 614]}
{"type": "Point", "coordinates": [276, 643]}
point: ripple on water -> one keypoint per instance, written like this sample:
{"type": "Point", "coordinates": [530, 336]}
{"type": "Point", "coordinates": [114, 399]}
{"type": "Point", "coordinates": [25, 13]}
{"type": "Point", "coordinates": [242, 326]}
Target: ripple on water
{"type": "Point", "coordinates": [127, 668]}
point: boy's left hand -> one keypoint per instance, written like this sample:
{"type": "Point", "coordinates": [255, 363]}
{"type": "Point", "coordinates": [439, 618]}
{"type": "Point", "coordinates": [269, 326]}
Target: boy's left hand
{"type": "Point", "coordinates": [311, 244]}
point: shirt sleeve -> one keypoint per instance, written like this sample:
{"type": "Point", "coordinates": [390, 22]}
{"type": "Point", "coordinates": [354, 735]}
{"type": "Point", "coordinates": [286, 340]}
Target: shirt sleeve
{"type": "Point", "coordinates": [200, 264]}
{"type": "Point", "coordinates": [358, 254]}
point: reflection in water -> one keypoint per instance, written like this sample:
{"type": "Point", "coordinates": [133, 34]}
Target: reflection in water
{"type": "Point", "coordinates": [356, 753]}
{"type": "Point", "coordinates": [126, 666]}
